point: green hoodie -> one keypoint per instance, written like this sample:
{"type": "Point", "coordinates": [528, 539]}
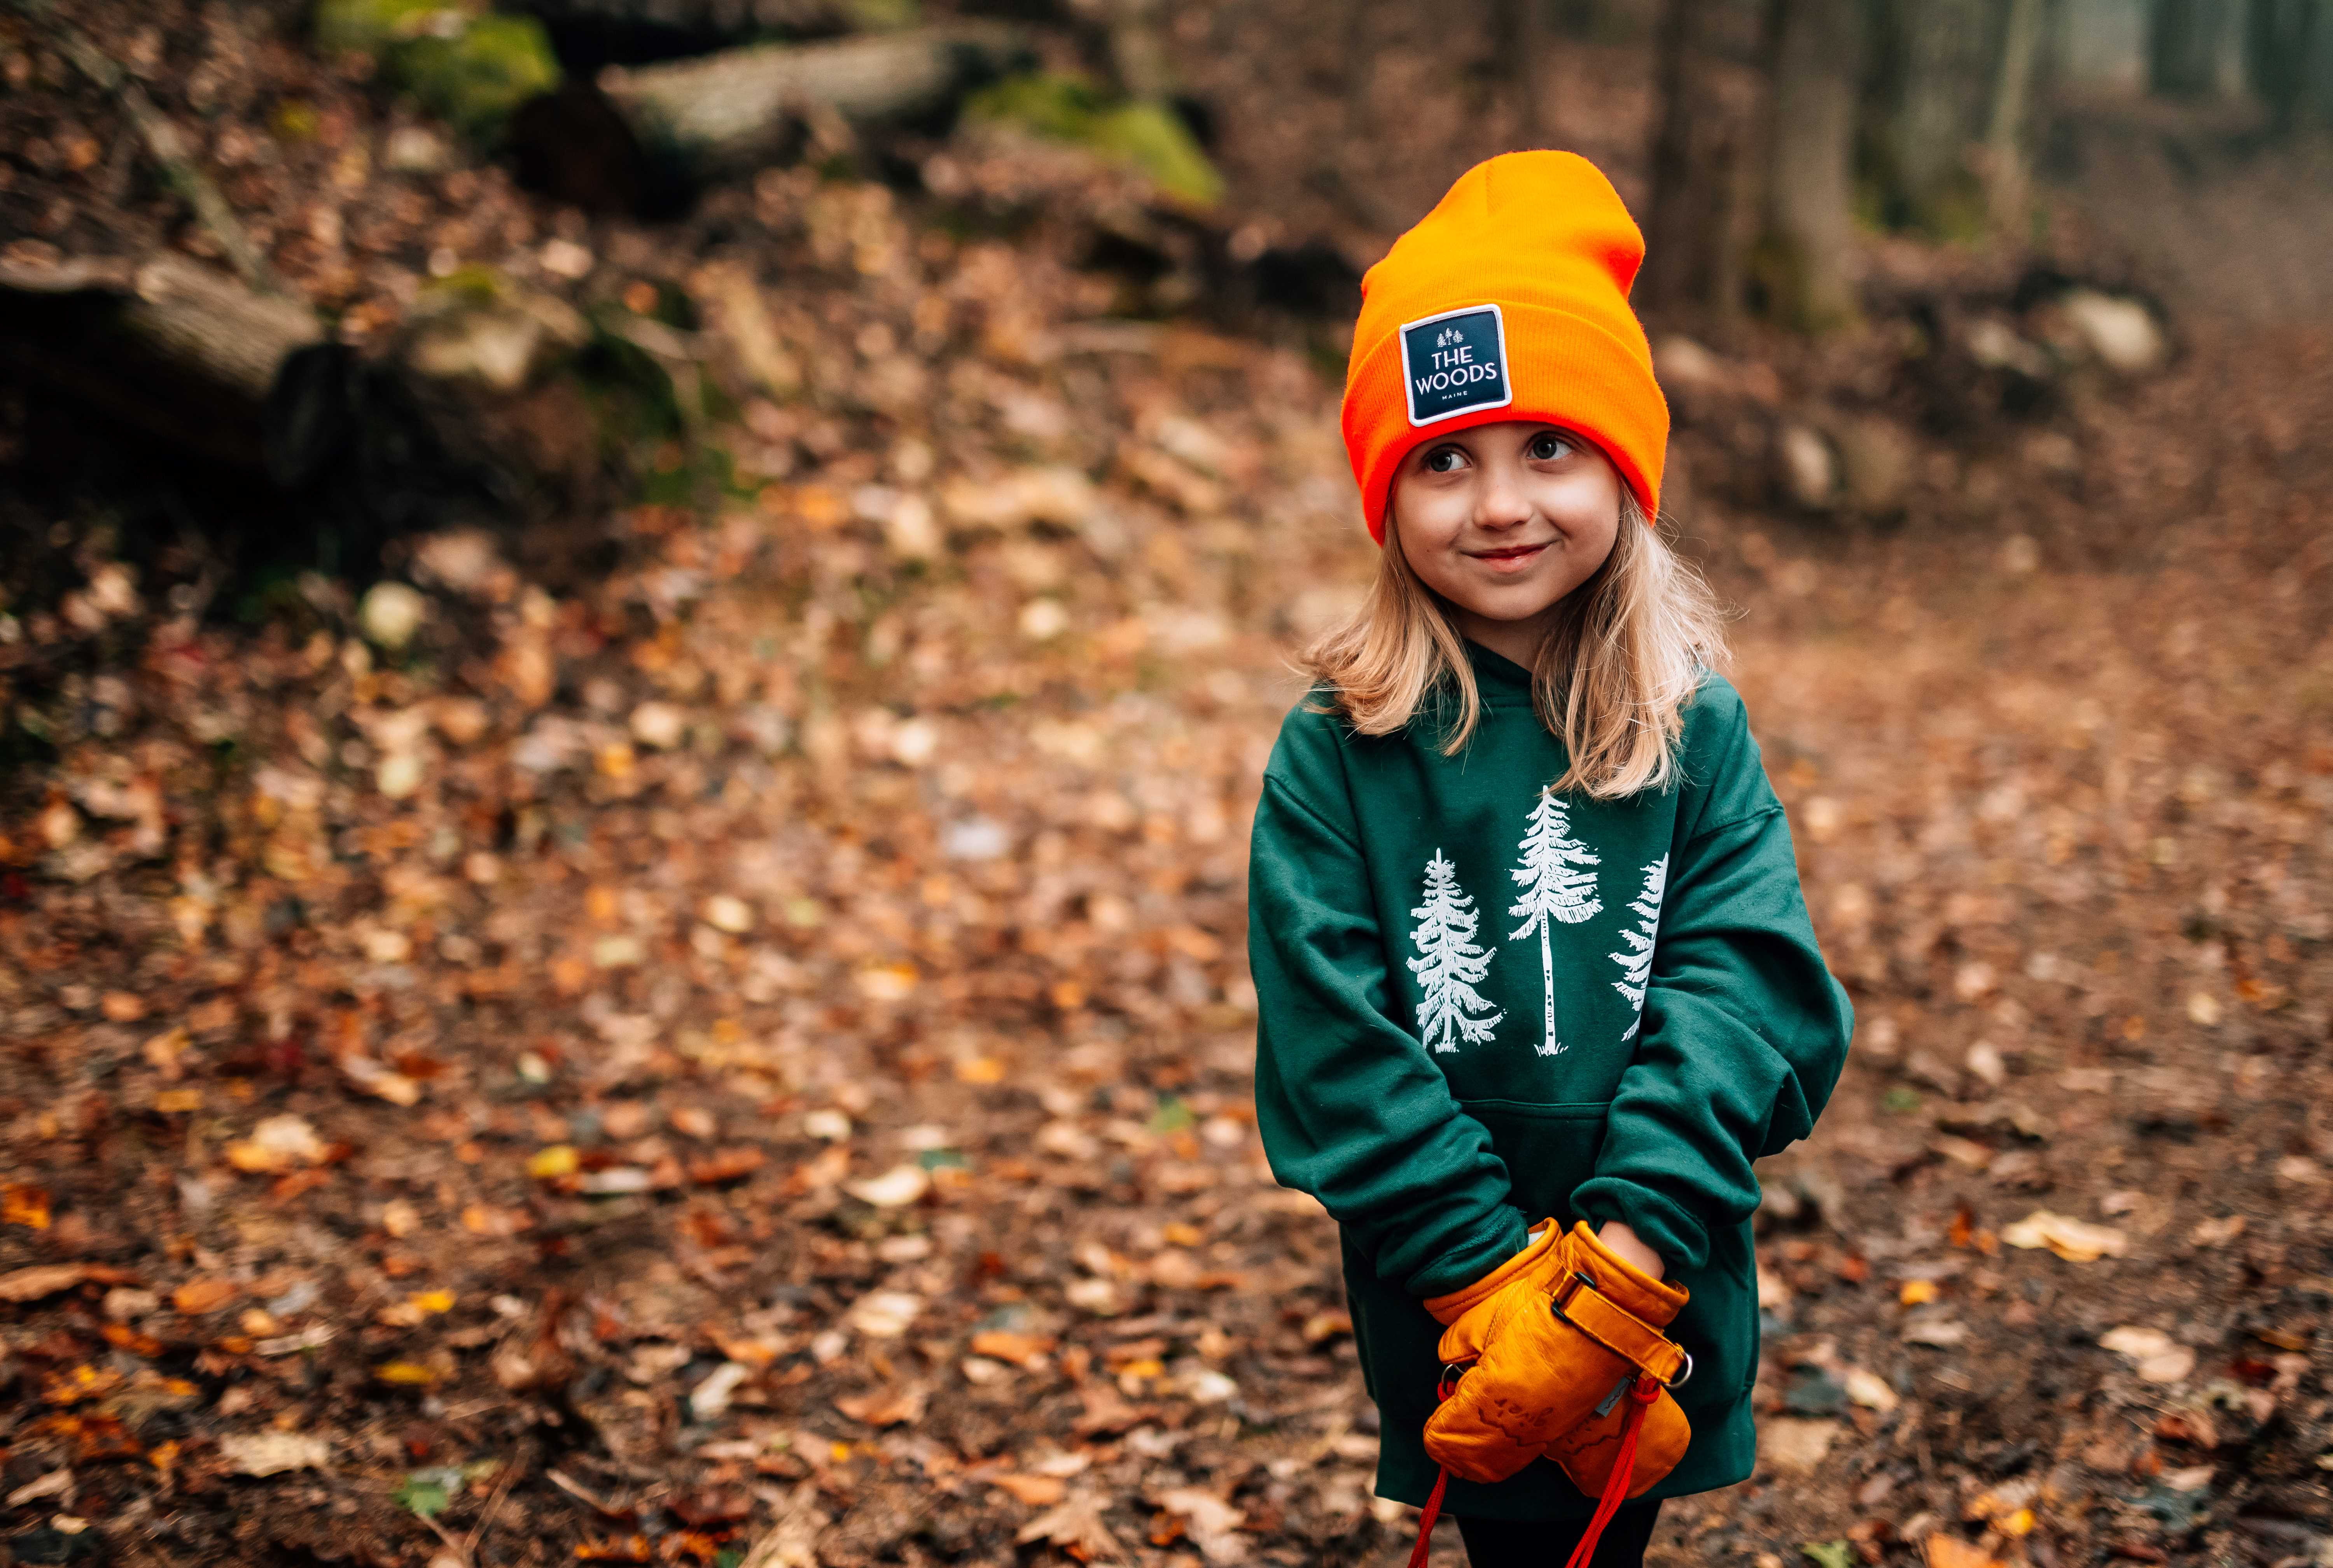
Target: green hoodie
{"type": "Point", "coordinates": [1481, 1004]}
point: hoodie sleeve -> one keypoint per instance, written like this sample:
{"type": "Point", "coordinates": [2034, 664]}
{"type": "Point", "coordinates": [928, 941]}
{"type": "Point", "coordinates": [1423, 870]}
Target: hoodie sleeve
{"type": "Point", "coordinates": [1349, 1105]}
{"type": "Point", "coordinates": [1745, 1029]}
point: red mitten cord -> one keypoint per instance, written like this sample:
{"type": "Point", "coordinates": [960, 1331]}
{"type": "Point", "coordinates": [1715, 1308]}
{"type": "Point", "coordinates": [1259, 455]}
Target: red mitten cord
{"type": "Point", "coordinates": [1432, 1509]}
{"type": "Point", "coordinates": [1425, 1518]}
{"type": "Point", "coordinates": [1642, 1395]}
{"type": "Point", "coordinates": [1640, 1400]}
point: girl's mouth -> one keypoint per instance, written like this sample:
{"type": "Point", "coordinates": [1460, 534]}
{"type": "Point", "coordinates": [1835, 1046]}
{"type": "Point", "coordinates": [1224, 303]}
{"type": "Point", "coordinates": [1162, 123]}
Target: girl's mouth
{"type": "Point", "coordinates": [1511, 559]}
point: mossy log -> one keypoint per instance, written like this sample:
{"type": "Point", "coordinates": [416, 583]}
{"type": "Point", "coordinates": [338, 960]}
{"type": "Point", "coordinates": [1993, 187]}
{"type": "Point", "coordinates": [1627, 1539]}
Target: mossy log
{"type": "Point", "coordinates": [470, 70]}
{"type": "Point", "coordinates": [638, 138]}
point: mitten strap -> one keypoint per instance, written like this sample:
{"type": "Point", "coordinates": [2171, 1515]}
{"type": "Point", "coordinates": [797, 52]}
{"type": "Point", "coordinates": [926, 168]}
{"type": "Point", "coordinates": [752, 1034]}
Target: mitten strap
{"type": "Point", "coordinates": [1579, 1303]}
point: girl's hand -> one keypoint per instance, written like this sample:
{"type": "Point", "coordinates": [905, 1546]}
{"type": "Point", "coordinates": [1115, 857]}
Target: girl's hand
{"type": "Point", "coordinates": [1623, 1240]}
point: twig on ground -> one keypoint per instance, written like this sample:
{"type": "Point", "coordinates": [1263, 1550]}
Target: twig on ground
{"type": "Point", "coordinates": [162, 140]}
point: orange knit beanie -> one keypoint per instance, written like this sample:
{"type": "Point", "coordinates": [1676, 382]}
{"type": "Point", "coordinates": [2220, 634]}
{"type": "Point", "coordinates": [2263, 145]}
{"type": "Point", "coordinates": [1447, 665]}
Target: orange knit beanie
{"type": "Point", "coordinates": [1508, 300]}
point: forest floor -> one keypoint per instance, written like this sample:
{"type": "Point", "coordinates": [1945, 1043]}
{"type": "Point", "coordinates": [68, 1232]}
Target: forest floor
{"type": "Point", "coordinates": [746, 1056]}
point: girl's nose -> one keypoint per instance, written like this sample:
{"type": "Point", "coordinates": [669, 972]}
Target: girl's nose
{"type": "Point", "coordinates": [1501, 502]}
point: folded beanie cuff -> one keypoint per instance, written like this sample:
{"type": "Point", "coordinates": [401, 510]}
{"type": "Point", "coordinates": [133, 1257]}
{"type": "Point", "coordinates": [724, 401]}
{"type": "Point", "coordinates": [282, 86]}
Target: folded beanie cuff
{"type": "Point", "coordinates": [1564, 368]}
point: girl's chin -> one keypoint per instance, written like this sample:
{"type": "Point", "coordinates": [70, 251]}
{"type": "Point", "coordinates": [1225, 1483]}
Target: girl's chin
{"type": "Point", "coordinates": [1506, 609]}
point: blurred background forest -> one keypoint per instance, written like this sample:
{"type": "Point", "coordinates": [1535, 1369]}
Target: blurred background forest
{"type": "Point", "coordinates": [638, 636]}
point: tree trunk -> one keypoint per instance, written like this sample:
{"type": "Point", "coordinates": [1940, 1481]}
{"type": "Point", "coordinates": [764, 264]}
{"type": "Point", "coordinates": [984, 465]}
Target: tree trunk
{"type": "Point", "coordinates": [2276, 56]}
{"type": "Point", "coordinates": [2187, 46]}
{"type": "Point", "coordinates": [2007, 137]}
{"type": "Point", "coordinates": [1519, 49]}
{"type": "Point", "coordinates": [1806, 256]}
{"type": "Point", "coordinates": [2289, 61]}
{"type": "Point", "coordinates": [641, 137]}
{"type": "Point", "coordinates": [1942, 59]}
{"type": "Point", "coordinates": [1684, 225]}
{"type": "Point", "coordinates": [1137, 52]}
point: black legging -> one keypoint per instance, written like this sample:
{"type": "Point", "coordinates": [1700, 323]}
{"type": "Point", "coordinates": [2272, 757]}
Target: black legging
{"type": "Point", "coordinates": [1548, 1543]}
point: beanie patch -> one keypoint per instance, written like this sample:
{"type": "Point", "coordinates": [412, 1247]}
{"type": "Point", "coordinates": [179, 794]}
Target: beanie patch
{"type": "Point", "coordinates": [1456, 362]}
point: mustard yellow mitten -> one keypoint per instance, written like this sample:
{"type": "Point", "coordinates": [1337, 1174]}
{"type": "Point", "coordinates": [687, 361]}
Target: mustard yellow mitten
{"type": "Point", "coordinates": [1548, 1334]}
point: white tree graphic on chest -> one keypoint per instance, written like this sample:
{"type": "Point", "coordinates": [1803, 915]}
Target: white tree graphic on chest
{"type": "Point", "coordinates": [1557, 885]}
{"type": "Point", "coordinates": [1449, 963]}
{"type": "Point", "coordinates": [1637, 963]}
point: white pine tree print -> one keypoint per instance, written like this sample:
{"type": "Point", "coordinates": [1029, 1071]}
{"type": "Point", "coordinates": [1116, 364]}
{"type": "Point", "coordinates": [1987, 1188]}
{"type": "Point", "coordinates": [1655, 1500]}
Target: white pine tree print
{"type": "Point", "coordinates": [1557, 885]}
{"type": "Point", "coordinates": [1637, 963]}
{"type": "Point", "coordinates": [1449, 965]}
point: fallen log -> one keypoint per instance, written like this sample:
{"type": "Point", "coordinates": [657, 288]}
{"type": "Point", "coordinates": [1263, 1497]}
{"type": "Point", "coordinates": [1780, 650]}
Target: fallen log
{"type": "Point", "coordinates": [590, 34]}
{"type": "Point", "coordinates": [638, 139]}
{"type": "Point", "coordinates": [179, 350]}
{"type": "Point", "coordinates": [475, 415]}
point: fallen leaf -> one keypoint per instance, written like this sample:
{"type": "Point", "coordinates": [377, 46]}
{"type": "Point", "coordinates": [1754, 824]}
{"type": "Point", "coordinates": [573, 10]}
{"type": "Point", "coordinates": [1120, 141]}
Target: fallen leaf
{"type": "Point", "coordinates": [1794, 1446]}
{"type": "Point", "coordinates": [55, 1484]}
{"type": "Point", "coordinates": [1098, 1297]}
{"type": "Point", "coordinates": [1076, 1526]}
{"type": "Point", "coordinates": [122, 1336]}
{"type": "Point", "coordinates": [724, 912]}
{"type": "Point", "coordinates": [1032, 1491]}
{"type": "Point", "coordinates": [1021, 1350]}
{"type": "Point", "coordinates": [1324, 1326]}
{"type": "Point", "coordinates": [2159, 1358]}
{"type": "Point", "coordinates": [884, 1314]}
{"type": "Point", "coordinates": [2217, 1232]}
{"type": "Point", "coordinates": [383, 1083]}
{"type": "Point", "coordinates": [1870, 1391]}
{"type": "Point", "coordinates": [198, 1296]}
{"type": "Point", "coordinates": [271, 1453]}
{"type": "Point", "coordinates": [885, 1407]}
{"type": "Point", "coordinates": [1943, 1551]}
{"type": "Point", "coordinates": [1212, 1523]}
{"type": "Point", "coordinates": [24, 1205]}
{"type": "Point", "coordinates": [726, 1165]}
{"type": "Point", "coordinates": [2075, 1241]}
{"type": "Point", "coordinates": [41, 1279]}
{"type": "Point", "coordinates": [1942, 1333]}
{"type": "Point", "coordinates": [278, 1143]}
{"type": "Point", "coordinates": [895, 1188]}
{"type": "Point", "coordinates": [709, 1399]}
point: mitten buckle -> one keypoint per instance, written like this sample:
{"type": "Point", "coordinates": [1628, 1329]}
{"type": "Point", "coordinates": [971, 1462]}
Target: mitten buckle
{"type": "Point", "coordinates": [1579, 1280]}
{"type": "Point", "coordinates": [1573, 1283]}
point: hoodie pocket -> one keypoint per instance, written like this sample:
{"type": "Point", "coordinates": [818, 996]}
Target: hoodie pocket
{"type": "Point", "coordinates": [1550, 1151]}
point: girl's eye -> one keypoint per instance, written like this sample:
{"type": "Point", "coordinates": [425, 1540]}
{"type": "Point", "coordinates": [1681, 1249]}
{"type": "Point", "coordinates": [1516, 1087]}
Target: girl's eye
{"type": "Point", "coordinates": [1445, 460]}
{"type": "Point", "coordinates": [1547, 446]}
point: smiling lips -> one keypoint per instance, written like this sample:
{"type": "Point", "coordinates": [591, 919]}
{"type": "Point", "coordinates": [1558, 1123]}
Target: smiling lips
{"type": "Point", "coordinates": [1510, 558]}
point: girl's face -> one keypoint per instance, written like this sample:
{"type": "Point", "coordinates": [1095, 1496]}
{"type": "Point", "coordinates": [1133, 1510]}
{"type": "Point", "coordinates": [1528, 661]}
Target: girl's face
{"type": "Point", "coordinates": [1504, 520]}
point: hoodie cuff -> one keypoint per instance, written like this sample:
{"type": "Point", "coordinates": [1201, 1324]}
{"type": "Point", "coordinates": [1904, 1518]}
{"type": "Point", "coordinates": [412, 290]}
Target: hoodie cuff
{"type": "Point", "coordinates": [1503, 1232]}
{"type": "Point", "coordinates": [1660, 1223]}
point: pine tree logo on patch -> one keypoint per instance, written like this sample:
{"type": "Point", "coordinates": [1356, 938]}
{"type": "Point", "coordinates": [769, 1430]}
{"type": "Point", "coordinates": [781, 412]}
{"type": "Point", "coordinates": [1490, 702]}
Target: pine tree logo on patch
{"type": "Point", "coordinates": [1455, 363]}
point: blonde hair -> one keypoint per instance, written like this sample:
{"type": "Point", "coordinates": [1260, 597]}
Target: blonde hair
{"type": "Point", "coordinates": [1622, 655]}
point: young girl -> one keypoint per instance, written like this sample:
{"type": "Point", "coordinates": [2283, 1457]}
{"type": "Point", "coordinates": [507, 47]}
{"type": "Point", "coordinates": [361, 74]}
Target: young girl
{"type": "Point", "coordinates": [1536, 980]}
